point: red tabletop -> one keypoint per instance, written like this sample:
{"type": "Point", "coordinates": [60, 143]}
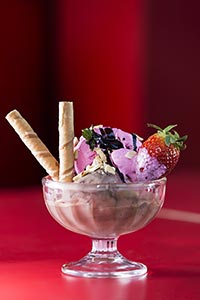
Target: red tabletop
{"type": "Point", "coordinates": [33, 247]}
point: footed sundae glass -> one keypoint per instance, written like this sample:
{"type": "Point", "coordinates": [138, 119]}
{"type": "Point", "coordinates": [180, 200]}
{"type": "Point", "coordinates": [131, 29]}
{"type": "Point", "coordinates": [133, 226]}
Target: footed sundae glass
{"type": "Point", "coordinates": [104, 212]}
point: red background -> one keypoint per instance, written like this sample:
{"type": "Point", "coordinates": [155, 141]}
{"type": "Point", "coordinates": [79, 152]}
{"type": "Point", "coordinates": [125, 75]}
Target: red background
{"type": "Point", "coordinates": [122, 63]}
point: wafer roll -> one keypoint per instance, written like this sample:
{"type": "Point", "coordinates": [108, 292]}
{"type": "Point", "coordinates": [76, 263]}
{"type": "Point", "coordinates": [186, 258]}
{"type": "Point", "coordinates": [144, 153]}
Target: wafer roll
{"type": "Point", "coordinates": [66, 138]}
{"type": "Point", "coordinates": [34, 144]}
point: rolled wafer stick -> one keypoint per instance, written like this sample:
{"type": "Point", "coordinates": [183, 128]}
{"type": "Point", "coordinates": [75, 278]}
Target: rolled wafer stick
{"type": "Point", "coordinates": [66, 141]}
{"type": "Point", "coordinates": [33, 143]}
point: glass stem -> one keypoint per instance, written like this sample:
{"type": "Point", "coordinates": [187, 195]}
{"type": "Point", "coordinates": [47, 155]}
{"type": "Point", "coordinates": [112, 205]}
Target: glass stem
{"type": "Point", "coordinates": [104, 247]}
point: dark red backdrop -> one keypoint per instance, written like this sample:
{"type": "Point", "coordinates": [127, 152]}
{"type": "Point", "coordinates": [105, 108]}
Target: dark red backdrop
{"type": "Point", "coordinates": [123, 64]}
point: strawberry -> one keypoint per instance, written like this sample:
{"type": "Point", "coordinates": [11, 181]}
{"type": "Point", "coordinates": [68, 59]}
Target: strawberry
{"type": "Point", "coordinates": [165, 146]}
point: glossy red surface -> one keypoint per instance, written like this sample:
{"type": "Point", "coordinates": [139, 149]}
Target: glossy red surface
{"type": "Point", "coordinates": [33, 247]}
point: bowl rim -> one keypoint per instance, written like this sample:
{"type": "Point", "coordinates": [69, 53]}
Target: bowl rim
{"type": "Point", "coordinates": [47, 181]}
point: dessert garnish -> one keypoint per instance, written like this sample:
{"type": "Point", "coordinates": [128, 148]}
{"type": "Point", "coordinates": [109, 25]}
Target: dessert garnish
{"type": "Point", "coordinates": [133, 160]}
{"type": "Point", "coordinates": [58, 171]}
{"type": "Point", "coordinates": [34, 144]}
{"type": "Point", "coordinates": [66, 137]}
{"type": "Point", "coordinates": [102, 151]}
{"type": "Point", "coordinates": [165, 145]}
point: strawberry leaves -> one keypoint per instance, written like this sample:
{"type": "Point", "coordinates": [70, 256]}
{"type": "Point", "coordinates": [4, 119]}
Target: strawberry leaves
{"type": "Point", "coordinates": [171, 138]}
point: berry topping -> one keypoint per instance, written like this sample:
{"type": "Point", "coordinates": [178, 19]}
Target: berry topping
{"type": "Point", "coordinates": [165, 146]}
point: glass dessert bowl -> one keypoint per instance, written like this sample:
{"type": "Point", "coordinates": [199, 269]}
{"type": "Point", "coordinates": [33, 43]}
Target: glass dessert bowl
{"type": "Point", "coordinates": [104, 212]}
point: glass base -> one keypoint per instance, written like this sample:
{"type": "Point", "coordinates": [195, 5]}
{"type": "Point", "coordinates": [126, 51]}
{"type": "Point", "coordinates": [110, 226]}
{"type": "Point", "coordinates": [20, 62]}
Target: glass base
{"type": "Point", "coordinates": [104, 266]}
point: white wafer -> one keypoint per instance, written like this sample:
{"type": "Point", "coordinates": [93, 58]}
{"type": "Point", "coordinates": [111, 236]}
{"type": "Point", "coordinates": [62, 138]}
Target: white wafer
{"type": "Point", "coordinates": [66, 141]}
{"type": "Point", "coordinates": [33, 143]}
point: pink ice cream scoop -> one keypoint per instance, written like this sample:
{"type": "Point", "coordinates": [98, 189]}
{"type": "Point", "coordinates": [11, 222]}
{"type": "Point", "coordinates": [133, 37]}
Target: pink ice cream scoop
{"type": "Point", "coordinates": [147, 167]}
{"type": "Point", "coordinates": [84, 155]}
{"type": "Point", "coordinates": [125, 161]}
{"type": "Point", "coordinates": [114, 142]}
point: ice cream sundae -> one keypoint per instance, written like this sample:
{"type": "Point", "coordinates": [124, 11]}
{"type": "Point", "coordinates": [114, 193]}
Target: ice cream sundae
{"type": "Point", "coordinates": [107, 183]}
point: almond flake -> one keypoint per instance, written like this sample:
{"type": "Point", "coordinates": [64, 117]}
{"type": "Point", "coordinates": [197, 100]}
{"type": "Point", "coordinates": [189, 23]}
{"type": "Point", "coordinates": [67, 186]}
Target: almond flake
{"type": "Point", "coordinates": [130, 154]}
